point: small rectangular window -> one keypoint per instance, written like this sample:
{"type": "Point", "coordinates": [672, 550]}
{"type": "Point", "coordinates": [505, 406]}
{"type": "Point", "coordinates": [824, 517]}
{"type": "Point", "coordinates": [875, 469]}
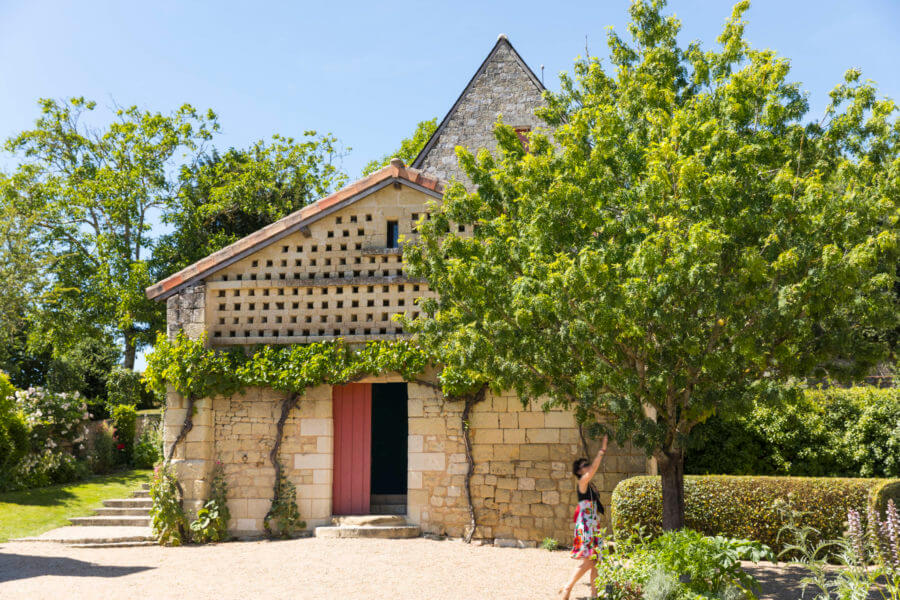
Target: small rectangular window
{"type": "Point", "coordinates": [393, 234]}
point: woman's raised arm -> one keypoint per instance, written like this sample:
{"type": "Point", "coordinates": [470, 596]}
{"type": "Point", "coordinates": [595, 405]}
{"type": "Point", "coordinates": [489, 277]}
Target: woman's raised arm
{"type": "Point", "coordinates": [586, 477]}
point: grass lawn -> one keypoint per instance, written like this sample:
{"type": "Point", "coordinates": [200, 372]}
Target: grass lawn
{"type": "Point", "coordinates": [32, 512]}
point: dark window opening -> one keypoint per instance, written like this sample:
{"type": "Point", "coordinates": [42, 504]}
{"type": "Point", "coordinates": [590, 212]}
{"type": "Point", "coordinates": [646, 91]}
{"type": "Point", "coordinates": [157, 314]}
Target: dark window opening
{"type": "Point", "coordinates": [393, 234]}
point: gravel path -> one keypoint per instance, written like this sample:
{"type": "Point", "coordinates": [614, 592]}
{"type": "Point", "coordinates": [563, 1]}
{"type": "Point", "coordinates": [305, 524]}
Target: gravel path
{"type": "Point", "coordinates": [304, 568]}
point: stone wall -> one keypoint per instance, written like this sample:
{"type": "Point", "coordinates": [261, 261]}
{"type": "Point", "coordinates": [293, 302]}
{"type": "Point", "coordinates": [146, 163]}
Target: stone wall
{"type": "Point", "coordinates": [186, 311]}
{"type": "Point", "coordinates": [522, 487]}
{"type": "Point", "coordinates": [504, 88]}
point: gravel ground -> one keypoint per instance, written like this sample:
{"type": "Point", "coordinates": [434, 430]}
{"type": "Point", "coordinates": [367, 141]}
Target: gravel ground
{"type": "Point", "coordinates": [304, 568]}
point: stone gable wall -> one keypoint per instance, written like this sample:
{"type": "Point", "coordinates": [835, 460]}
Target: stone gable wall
{"type": "Point", "coordinates": [503, 88]}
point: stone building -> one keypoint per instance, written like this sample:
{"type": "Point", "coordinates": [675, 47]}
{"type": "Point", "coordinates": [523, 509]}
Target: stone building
{"type": "Point", "coordinates": [335, 269]}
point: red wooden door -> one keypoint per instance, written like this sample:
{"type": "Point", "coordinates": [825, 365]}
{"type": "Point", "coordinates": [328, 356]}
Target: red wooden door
{"type": "Point", "coordinates": [352, 411]}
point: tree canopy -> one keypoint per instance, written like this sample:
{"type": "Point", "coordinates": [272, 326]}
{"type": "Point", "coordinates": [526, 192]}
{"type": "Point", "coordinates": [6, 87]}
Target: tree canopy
{"type": "Point", "coordinates": [686, 236]}
{"type": "Point", "coordinates": [409, 147]}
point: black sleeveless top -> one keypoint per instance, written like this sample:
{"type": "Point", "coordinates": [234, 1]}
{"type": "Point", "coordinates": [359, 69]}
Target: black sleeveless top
{"type": "Point", "coordinates": [591, 495]}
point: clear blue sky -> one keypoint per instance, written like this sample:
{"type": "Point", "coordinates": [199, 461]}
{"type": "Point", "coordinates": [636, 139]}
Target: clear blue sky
{"type": "Point", "coordinates": [368, 71]}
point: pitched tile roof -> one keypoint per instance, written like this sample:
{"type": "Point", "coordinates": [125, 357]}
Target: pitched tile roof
{"type": "Point", "coordinates": [395, 172]}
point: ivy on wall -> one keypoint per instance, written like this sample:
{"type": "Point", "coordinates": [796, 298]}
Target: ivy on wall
{"type": "Point", "coordinates": [195, 371]}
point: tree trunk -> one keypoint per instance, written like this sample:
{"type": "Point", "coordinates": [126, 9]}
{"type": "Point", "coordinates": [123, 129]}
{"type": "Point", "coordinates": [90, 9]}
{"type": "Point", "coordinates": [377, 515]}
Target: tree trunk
{"type": "Point", "coordinates": [671, 470]}
{"type": "Point", "coordinates": [130, 350]}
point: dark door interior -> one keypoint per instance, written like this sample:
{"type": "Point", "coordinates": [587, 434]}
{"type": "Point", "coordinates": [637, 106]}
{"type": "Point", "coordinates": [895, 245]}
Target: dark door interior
{"type": "Point", "coordinates": [389, 431]}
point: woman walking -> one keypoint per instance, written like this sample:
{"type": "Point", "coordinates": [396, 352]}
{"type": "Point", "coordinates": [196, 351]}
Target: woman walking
{"type": "Point", "coordinates": [586, 545]}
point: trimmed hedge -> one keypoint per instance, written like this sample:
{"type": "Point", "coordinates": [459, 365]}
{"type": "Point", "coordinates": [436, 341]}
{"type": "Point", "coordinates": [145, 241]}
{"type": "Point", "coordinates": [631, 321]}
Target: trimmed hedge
{"type": "Point", "coordinates": [743, 507]}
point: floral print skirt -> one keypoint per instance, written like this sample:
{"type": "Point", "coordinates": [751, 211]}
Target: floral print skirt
{"type": "Point", "coordinates": [587, 531]}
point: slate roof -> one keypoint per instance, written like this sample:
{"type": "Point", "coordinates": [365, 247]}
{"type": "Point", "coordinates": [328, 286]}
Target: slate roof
{"type": "Point", "coordinates": [395, 172]}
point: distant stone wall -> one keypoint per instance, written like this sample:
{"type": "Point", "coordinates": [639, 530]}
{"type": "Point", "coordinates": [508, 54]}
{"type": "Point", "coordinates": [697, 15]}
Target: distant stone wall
{"type": "Point", "coordinates": [503, 88]}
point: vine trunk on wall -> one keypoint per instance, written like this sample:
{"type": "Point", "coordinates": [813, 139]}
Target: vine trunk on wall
{"type": "Point", "coordinates": [286, 407]}
{"type": "Point", "coordinates": [186, 427]}
{"type": "Point", "coordinates": [469, 402]}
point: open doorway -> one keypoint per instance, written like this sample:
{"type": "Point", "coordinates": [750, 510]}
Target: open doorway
{"type": "Point", "coordinates": [390, 428]}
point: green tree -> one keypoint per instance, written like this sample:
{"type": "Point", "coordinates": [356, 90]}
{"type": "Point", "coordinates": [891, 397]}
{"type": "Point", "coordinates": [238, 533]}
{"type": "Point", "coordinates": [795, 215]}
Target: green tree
{"type": "Point", "coordinates": [91, 195]}
{"type": "Point", "coordinates": [409, 147]}
{"type": "Point", "coordinates": [686, 237]}
{"type": "Point", "coordinates": [225, 197]}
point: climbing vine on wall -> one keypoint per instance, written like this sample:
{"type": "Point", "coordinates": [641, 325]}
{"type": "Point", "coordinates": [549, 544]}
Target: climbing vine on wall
{"type": "Point", "coordinates": [195, 372]}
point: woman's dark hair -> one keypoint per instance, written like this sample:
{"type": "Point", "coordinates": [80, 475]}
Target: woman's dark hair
{"type": "Point", "coordinates": [577, 465]}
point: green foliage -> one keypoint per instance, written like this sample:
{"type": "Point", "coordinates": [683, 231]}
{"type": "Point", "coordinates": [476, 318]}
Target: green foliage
{"type": "Point", "coordinates": [103, 454]}
{"type": "Point", "coordinates": [194, 370]}
{"type": "Point", "coordinates": [687, 238]}
{"type": "Point", "coordinates": [283, 512]}
{"type": "Point", "coordinates": [228, 196]}
{"type": "Point", "coordinates": [211, 524]}
{"type": "Point", "coordinates": [712, 564]}
{"type": "Point", "coordinates": [15, 439]}
{"type": "Point", "coordinates": [149, 448]}
{"type": "Point", "coordinates": [123, 386]}
{"type": "Point", "coordinates": [550, 544]}
{"type": "Point", "coordinates": [124, 417]}
{"type": "Point", "coordinates": [409, 147]}
{"type": "Point", "coordinates": [90, 195]}
{"type": "Point", "coordinates": [744, 507]}
{"type": "Point", "coordinates": [830, 432]}
{"type": "Point", "coordinates": [681, 564]}
{"type": "Point", "coordinates": [166, 515]}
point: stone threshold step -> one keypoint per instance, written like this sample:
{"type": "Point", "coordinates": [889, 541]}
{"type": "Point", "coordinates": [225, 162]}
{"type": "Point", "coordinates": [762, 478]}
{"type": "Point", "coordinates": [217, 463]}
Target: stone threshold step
{"type": "Point", "coordinates": [124, 521]}
{"type": "Point", "coordinates": [366, 520]}
{"type": "Point", "coordinates": [369, 531]}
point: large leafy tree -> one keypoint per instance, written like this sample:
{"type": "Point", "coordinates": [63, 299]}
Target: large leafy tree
{"type": "Point", "coordinates": [686, 239]}
{"type": "Point", "coordinates": [90, 196]}
{"type": "Point", "coordinates": [227, 196]}
{"type": "Point", "coordinates": [409, 147]}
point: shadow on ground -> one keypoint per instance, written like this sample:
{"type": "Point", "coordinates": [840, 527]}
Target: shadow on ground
{"type": "Point", "coordinates": [23, 566]}
{"type": "Point", "coordinates": [783, 582]}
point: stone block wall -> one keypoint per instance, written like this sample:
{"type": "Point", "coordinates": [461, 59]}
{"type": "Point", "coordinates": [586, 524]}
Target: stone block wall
{"type": "Point", "coordinates": [186, 311]}
{"type": "Point", "coordinates": [522, 486]}
{"type": "Point", "coordinates": [504, 88]}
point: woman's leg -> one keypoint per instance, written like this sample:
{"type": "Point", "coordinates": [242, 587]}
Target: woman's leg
{"type": "Point", "coordinates": [593, 579]}
{"type": "Point", "coordinates": [583, 567]}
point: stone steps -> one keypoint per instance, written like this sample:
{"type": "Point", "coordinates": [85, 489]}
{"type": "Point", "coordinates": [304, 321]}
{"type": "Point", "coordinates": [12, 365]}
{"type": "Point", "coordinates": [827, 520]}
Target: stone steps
{"type": "Point", "coordinates": [144, 503]}
{"type": "Point", "coordinates": [122, 511]}
{"type": "Point", "coordinates": [388, 509]}
{"type": "Point", "coordinates": [141, 494]}
{"type": "Point", "coordinates": [368, 526]}
{"type": "Point", "coordinates": [111, 521]}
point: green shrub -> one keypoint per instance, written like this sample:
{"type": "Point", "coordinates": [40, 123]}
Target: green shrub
{"type": "Point", "coordinates": [834, 432]}
{"type": "Point", "coordinates": [745, 507]}
{"type": "Point", "coordinates": [124, 417]}
{"type": "Point", "coordinates": [679, 565]}
{"type": "Point", "coordinates": [211, 524]}
{"type": "Point", "coordinates": [14, 433]}
{"type": "Point", "coordinates": [148, 449]}
{"type": "Point", "coordinates": [550, 544]}
{"type": "Point", "coordinates": [166, 515]}
{"type": "Point", "coordinates": [102, 455]}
